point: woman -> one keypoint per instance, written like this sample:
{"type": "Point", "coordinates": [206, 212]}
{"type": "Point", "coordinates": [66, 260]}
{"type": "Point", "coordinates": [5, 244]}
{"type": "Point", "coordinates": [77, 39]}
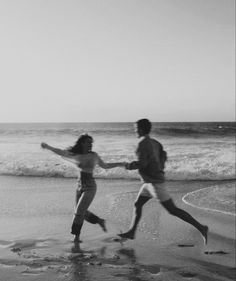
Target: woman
{"type": "Point", "coordinates": [85, 159]}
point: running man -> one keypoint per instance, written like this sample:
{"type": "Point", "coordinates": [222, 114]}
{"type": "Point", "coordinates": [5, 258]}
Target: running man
{"type": "Point", "coordinates": [150, 164]}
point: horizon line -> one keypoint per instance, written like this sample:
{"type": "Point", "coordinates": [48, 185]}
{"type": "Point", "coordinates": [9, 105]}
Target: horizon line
{"type": "Point", "coordinates": [65, 122]}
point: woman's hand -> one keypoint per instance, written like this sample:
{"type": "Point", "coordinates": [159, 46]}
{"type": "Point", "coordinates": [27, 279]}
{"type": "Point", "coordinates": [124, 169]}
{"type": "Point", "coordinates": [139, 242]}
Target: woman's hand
{"type": "Point", "coordinates": [44, 145]}
{"type": "Point", "coordinates": [58, 151]}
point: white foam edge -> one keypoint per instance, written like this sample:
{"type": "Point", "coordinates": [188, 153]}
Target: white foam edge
{"type": "Point", "coordinates": [203, 208]}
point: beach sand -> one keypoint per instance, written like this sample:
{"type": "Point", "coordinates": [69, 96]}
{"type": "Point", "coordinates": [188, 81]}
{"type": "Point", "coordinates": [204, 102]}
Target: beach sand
{"type": "Point", "coordinates": [36, 244]}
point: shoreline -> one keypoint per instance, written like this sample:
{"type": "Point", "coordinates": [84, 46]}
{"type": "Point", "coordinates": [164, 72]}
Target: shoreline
{"type": "Point", "coordinates": [186, 198]}
{"type": "Point", "coordinates": [35, 243]}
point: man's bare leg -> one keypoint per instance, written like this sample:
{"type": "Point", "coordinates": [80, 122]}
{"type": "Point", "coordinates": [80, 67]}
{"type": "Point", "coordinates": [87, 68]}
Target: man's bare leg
{"type": "Point", "coordinates": [138, 206]}
{"type": "Point", "coordinates": [170, 206]}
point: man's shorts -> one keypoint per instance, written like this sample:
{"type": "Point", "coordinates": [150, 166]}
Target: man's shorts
{"type": "Point", "coordinates": [155, 190]}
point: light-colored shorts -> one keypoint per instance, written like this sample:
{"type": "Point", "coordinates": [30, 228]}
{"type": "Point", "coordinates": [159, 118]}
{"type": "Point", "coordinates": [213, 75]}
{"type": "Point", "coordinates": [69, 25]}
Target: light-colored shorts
{"type": "Point", "coordinates": [155, 190]}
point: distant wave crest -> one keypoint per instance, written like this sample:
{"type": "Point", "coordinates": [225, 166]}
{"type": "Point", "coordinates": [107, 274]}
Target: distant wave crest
{"type": "Point", "coordinates": [188, 129]}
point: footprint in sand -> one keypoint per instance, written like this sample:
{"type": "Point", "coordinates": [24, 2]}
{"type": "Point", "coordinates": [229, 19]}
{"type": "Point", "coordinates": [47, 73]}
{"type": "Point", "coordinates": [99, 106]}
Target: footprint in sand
{"type": "Point", "coordinates": [188, 274]}
{"type": "Point", "coordinates": [16, 250]}
{"type": "Point", "coordinates": [216, 252]}
{"type": "Point", "coordinates": [29, 273]}
{"type": "Point", "coordinates": [185, 245]}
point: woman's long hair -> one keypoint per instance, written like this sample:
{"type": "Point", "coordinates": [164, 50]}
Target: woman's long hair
{"type": "Point", "coordinates": [77, 148]}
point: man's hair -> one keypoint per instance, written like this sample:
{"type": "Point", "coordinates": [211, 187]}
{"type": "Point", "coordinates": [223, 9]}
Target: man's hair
{"type": "Point", "coordinates": [145, 125]}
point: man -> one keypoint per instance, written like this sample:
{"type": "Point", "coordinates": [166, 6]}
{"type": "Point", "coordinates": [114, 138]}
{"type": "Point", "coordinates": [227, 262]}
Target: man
{"type": "Point", "coordinates": [150, 164]}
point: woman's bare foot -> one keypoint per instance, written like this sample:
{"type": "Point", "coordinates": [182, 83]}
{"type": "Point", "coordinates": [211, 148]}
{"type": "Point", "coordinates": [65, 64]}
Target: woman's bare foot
{"type": "Point", "coordinates": [77, 239]}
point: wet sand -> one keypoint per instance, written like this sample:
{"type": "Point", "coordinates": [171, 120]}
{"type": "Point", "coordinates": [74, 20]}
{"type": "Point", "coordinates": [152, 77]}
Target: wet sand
{"type": "Point", "coordinates": [36, 244]}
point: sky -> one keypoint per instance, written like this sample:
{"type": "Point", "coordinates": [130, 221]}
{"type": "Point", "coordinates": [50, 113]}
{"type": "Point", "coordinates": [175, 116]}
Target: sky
{"type": "Point", "coordinates": [117, 60]}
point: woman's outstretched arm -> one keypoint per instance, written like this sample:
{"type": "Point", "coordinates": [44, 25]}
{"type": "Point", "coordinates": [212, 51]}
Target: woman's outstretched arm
{"type": "Point", "coordinates": [61, 152]}
{"type": "Point", "coordinates": [105, 165]}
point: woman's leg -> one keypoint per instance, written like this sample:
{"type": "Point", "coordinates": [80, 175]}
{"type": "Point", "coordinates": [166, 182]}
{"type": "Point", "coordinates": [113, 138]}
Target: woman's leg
{"type": "Point", "coordinates": [83, 199]}
{"type": "Point", "coordinates": [170, 206]}
{"type": "Point", "coordinates": [89, 216]}
{"type": "Point", "coordinates": [92, 218]}
{"type": "Point", "coordinates": [76, 227]}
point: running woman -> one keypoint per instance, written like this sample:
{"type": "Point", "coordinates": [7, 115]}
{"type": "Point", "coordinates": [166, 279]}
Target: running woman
{"type": "Point", "coordinates": [85, 159]}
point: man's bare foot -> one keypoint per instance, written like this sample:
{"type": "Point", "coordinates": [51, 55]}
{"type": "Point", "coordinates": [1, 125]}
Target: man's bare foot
{"type": "Point", "coordinates": [102, 223]}
{"type": "Point", "coordinates": [127, 235]}
{"type": "Point", "coordinates": [204, 233]}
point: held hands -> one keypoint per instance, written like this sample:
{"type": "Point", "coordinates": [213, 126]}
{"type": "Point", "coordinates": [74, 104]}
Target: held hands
{"type": "Point", "coordinates": [126, 165]}
{"type": "Point", "coordinates": [121, 164]}
{"type": "Point", "coordinates": [132, 165]}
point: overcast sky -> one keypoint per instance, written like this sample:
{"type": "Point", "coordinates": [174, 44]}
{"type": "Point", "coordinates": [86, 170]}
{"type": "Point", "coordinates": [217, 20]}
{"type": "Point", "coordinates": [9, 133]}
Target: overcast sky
{"type": "Point", "coordinates": [117, 60]}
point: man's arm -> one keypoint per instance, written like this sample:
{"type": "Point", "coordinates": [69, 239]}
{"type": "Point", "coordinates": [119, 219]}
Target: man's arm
{"type": "Point", "coordinates": [142, 155]}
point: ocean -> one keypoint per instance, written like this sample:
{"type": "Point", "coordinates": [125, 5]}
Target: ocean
{"type": "Point", "coordinates": [196, 151]}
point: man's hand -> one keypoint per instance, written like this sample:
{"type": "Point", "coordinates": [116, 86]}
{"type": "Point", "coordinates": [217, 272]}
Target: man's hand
{"type": "Point", "coordinates": [132, 166]}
